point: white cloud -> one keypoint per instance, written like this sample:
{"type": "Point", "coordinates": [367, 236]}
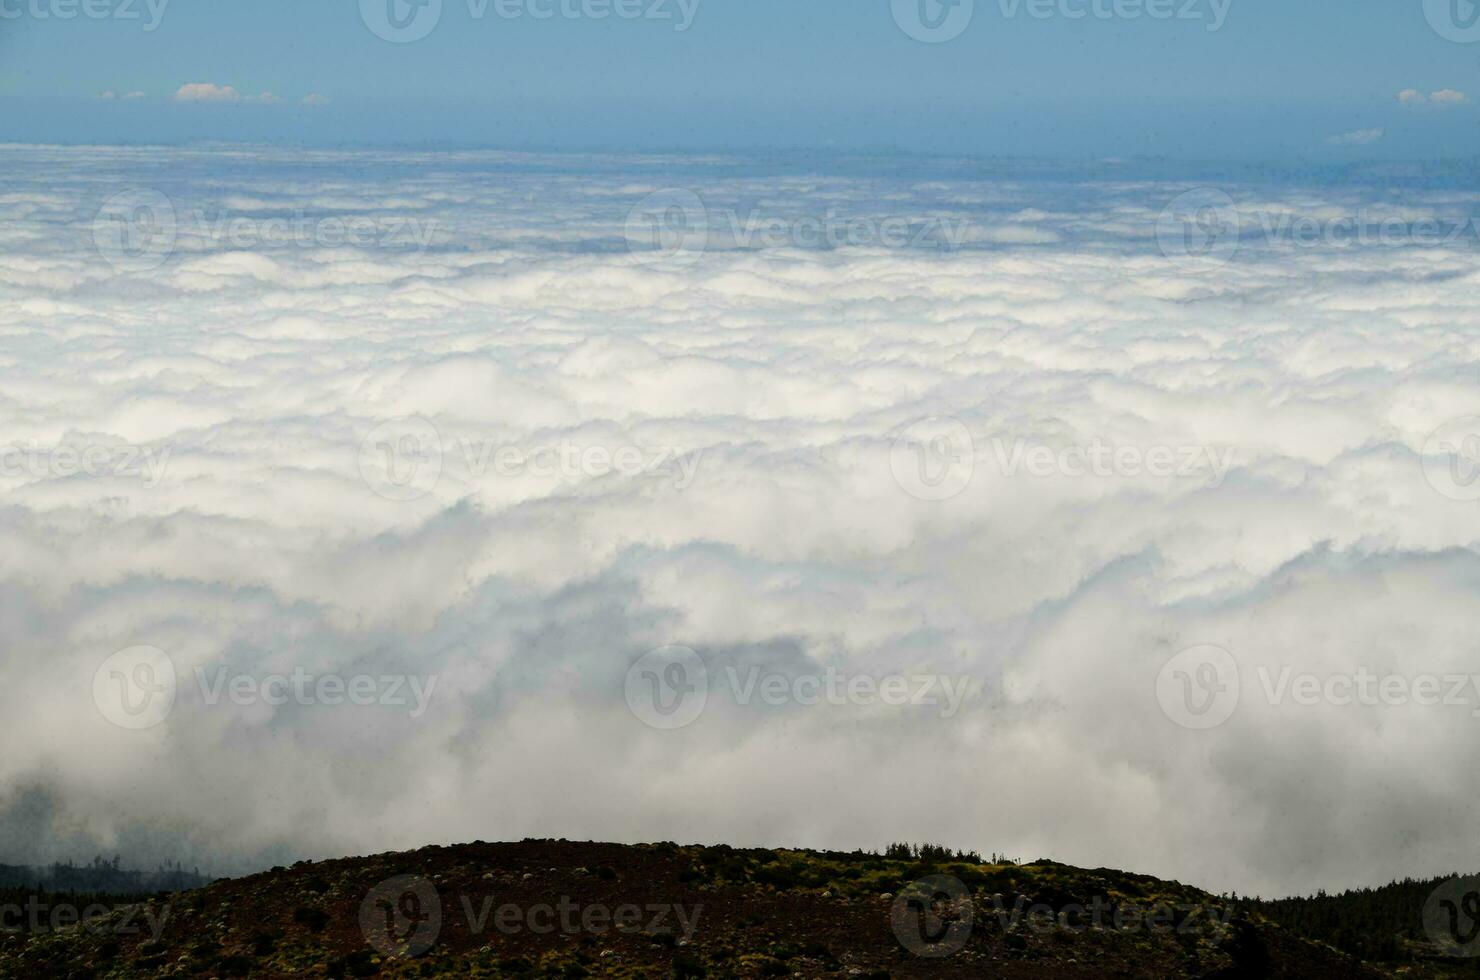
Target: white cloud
{"type": "Point", "coordinates": [256, 360]}
{"type": "Point", "coordinates": [315, 99]}
{"type": "Point", "coordinates": [1357, 137]}
{"type": "Point", "coordinates": [1443, 97]}
{"type": "Point", "coordinates": [207, 92]}
{"type": "Point", "coordinates": [134, 96]}
{"type": "Point", "coordinates": [107, 96]}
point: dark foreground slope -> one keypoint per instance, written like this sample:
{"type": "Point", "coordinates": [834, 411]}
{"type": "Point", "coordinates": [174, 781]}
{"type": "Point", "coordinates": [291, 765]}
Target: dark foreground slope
{"type": "Point", "coordinates": [565, 909]}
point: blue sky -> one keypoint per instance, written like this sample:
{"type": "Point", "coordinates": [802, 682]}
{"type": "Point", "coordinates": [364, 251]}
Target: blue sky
{"type": "Point", "coordinates": [1271, 79]}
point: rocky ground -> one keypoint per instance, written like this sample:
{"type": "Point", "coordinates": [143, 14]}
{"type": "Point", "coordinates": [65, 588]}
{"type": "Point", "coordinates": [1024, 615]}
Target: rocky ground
{"type": "Point", "coordinates": [568, 909]}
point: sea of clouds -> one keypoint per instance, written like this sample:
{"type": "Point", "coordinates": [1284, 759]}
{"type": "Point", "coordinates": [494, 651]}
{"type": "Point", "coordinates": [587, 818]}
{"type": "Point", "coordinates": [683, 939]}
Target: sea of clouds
{"type": "Point", "coordinates": [489, 428]}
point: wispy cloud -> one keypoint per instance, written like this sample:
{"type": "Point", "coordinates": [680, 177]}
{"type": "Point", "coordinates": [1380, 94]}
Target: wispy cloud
{"type": "Point", "coordinates": [1357, 137]}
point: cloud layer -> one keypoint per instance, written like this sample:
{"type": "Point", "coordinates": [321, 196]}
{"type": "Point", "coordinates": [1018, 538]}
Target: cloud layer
{"type": "Point", "coordinates": [361, 415]}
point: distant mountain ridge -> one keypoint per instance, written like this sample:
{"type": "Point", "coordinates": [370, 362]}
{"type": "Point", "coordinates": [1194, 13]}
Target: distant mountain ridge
{"type": "Point", "coordinates": [565, 909]}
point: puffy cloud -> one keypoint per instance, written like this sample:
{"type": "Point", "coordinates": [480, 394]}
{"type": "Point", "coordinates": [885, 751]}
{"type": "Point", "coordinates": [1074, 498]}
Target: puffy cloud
{"type": "Point", "coordinates": [207, 92]}
{"type": "Point", "coordinates": [1357, 137]}
{"type": "Point", "coordinates": [379, 416]}
{"type": "Point", "coordinates": [1443, 97]}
